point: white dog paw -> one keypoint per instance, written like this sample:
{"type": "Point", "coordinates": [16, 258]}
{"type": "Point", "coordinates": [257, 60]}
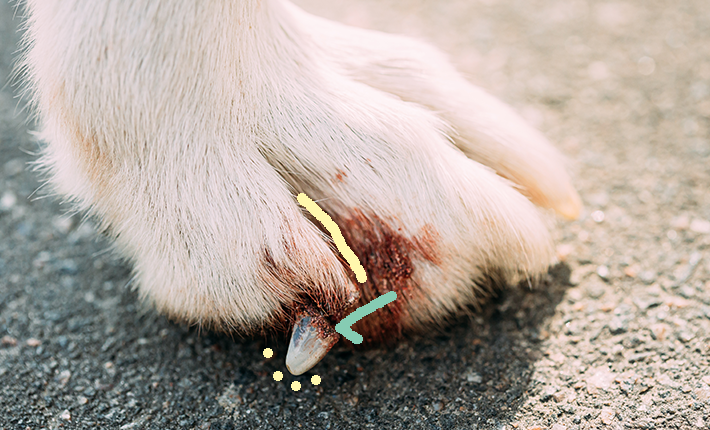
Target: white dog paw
{"type": "Point", "coordinates": [191, 143]}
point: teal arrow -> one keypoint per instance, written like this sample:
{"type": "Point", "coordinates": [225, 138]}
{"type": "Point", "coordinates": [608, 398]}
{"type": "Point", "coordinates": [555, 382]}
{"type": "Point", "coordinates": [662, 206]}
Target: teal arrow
{"type": "Point", "coordinates": [343, 327]}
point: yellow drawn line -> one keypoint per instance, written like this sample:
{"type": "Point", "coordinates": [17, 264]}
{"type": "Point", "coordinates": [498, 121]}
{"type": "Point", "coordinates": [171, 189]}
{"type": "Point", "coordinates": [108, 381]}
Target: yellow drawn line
{"type": "Point", "coordinates": [338, 238]}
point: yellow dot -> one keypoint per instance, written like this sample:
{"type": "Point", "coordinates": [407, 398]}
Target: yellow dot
{"type": "Point", "coordinates": [295, 385]}
{"type": "Point", "coordinates": [268, 353]}
{"type": "Point", "coordinates": [315, 379]}
{"type": "Point", "coordinates": [278, 376]}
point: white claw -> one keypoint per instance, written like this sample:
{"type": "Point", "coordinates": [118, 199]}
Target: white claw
{"type": "Point", "coordinates": [311, 340]}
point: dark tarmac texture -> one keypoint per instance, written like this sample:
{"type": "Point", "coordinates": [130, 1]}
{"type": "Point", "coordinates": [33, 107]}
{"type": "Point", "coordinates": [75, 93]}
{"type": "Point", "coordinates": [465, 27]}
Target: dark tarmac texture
{"type": "Point", "coordinates": [617, 336]}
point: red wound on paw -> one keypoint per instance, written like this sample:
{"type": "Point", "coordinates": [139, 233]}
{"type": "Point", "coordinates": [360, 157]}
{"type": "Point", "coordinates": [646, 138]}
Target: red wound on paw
{"type": "Point", "coordinates": [387, 256]}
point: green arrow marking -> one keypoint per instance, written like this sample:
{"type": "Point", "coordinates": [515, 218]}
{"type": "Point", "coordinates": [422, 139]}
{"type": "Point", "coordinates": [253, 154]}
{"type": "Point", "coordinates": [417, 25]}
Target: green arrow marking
{"type": "Point", "coordinates": [343, 327]}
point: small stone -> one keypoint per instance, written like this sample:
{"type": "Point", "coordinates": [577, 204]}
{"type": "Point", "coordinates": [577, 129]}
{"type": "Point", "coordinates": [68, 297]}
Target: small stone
{"type": "Point", "coordinates": [687, 291]}
{"type": "Point", "coordinates": [82, 400]}
{"type": "Point", "coordinates": [666, 380]}
{"type": "Point", "coordinates": [618, 325]}
{"type": "Point", "coordinates": [607, 307]}
{"type": "Point", "coordinates": [681, 222]}
{"type": "Point", "coordinates": [558, 426]}
{"type": "Point", "coordinates": [437, 406]}
{"type": "Point", "coordinates": [631, 271]}
{"type": "Point", "coordinates": [641, 356]}
{"type": "Point", "coordinates": [598, 216]}
{"type": "Point", "coordinates": [474, 377]}
{"type": "Point", "coordinates": [558, 357]}
{"type": "Point", "coordinates": [596, 289]}
{"type": "Point", "coordinates": [575, 294]}
{"type": "Point", "coordinates": [64, 376]}
{"type": "Point", "coordinates": [607, 415]}
{"type": "Point", "coordinates": [695, 258]}
{"type": "Point", "coordinates": [8, 341]}
{"type": "Point", "coordinates": [677, 302]}
{"type": "Point", "coordinates": [33, 342]}
{"type": "Point", "coordinates": [548, 393]}
{"type": "Point", "coordinates": [646, 302]}
{"type": "Point", "coordinates": [63, 224]}
{"type": "Point", "coordinates": [681, 274]}
{"type": "Point", "coordinates": [84, 231]}
{"type": "Point", "coordinates": [574, 328]}
{"type": "Point", "coordinates": [41, 259]}
{"type": "Point", "coordinates": [648, 277]}
{"type": "Point", "coordinates": [560, 396]}
{"type": "Point", "coordinates": [659, 331]}
{"type": "Point", "coordinates": [624, 310]}
{"type": "Point", "coordinates": [603, 272]}
{"type": "Point", "coordinates": [68, 267]}
{"type": "Point", "coordinates": [700, 226]}
{"type": "Point", "coordinates": [563, 251]}
{"type": "Point", "coordinates": [685, 336]}
{"type": "Point", "coordinates": [65, 415]}
{"type": "Point", "coordinates": [7, 201]}
{"type": "Point", "coordinates": [702, 394]}
{"type": "Point", "coordinates": [600, 378]}
{"type": "Point", "coordinates": [632, 341]}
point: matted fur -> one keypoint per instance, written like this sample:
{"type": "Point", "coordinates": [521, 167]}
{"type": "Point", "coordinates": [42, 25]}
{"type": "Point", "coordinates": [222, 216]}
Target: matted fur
{"type": "Point", "coordinates": [188, 128]}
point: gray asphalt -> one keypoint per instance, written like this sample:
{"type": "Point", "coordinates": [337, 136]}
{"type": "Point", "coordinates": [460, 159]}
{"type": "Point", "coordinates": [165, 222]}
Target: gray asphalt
{"type": "Point", "coordinates": [617, 336]}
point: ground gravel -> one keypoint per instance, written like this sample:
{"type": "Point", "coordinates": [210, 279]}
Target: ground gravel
{"type": "Point", "coordinates": [617, 336]}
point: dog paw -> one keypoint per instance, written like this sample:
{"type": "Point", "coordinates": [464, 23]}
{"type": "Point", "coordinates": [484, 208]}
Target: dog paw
{"type": "Point", "coordinates": [430, 179]}
{"type": "Point", "coordinates": [193, 163]}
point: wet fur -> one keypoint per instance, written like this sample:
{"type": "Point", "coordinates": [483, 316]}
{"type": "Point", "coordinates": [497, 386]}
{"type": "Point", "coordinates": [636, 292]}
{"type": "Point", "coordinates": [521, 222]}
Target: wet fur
{"type": "Point", "coordinates": [188, 128]}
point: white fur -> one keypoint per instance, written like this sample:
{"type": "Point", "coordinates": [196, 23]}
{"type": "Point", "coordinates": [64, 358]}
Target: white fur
{"type": "Point", "coordinates": [189, 127]}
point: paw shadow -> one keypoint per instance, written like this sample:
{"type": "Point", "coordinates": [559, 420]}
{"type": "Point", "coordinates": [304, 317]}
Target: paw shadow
{"type": "Point", "coordinates": [473, 374]}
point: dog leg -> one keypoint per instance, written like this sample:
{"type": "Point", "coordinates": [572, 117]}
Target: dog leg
{"type": "Point", "coordinates": [189, 128]}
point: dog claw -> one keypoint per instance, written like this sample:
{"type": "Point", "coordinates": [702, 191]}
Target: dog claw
{"type": "Point", "coordinates": [312, 338]}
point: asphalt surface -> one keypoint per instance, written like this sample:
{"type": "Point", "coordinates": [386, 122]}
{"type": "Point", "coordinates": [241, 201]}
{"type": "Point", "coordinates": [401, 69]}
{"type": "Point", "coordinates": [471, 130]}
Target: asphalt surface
{"type": "Point", "coordinates": [617, 336]}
